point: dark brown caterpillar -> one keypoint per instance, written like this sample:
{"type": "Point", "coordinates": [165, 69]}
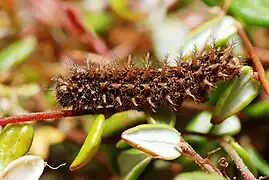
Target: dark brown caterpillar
{"type": "Point", "coordinates": [100, 88]}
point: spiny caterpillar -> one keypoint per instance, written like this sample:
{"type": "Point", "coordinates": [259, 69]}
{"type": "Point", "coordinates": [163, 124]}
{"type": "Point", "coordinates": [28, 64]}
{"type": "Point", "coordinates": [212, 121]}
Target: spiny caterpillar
{"type": "Point", "coordinates": [98, 88]}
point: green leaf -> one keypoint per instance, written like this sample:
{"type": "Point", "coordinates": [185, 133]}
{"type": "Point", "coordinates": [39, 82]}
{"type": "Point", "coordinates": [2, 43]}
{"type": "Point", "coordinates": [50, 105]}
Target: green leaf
{"type": "Point", "coordinates": [167, 36]}
{"type": "Point", "coordinates": [26, 167]}
{"type": "Point", "coordinates": [229, 126]}
{"type": "Point", "coordinates": [238, 95]}
{"type": "Point", "coordinates": [212, 2]}
{"type": "Point", "coordinates": [198, 176]}
{"type": "Point", "coordinates": [158, 140]}
{"type": "Point", "coordinates": [15, 141]}
{"type": "Point", "coordinates": [91, 144]}
{"type": "Point", "coordinates": [200, 123]}
{"type": "Point", "coordinates": [218, 30]}
{"type": "Point", "coordinates": [122, 144]}
{"type": "Point", "coordinates": [259, 162]}
{"type": "Point", "coordinates": [215, 94]}
{"type": "Point", "coordinates": [98, 21]}
{"type": "Point", "coordinates": [258, 109]}
{"type": "Point", "coordinates": [121, 8]}
{"type": "Point", "coordinates": [132, 163]}
{"type": "Point", "coordinates": [251, 12]}
{"type": "Point", "coordinates": [121, 121]}
{"type": "Point", "coordinates": [16, 53]}
{"type": "Point", "coordinates": [245, 156]}
{"type": "Point", "coordinates": [163, 115]}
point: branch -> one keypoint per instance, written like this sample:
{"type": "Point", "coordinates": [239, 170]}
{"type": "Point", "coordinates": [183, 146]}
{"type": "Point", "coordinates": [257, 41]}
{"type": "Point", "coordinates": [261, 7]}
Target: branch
{"type": "Point", "coordinates": [40, 116]}
{"type": "Point", "coordinates": [254, 57]}
{"type": "Point", "coordinates": [197, 106]}
{"type": "Point", "coordinates": [205, 164]}
{"type": "Point", "coordinates": [247, 175]}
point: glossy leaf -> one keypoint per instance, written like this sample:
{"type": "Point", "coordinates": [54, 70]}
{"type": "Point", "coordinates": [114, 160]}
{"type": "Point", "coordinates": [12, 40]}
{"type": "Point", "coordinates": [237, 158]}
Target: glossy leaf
{"type": "Point", "coordinates": [229, 126]}
{"type": "Point", "coordinates": [167, 36]}
{"type": "Point", "coordinates": [259, 162]}
{"type": "Point", "coordinates": [198, 176]}
{"type": "Point", "coordinates": [121, 121]}
{"type": "Point", "coordinates": [245, 156]}
{"type": "Point", "coordinates": [251, 12]}
{"type": "Point", "coordinates": [237, 96]}
{"type": "Point", "coordinates": [215, 94]}
{"type": "Point", "coordinates": [122, 144]}
{"type": "Point", "coordinates": [26, 167]}
{"type": "Point", "coordinates": [91, 144]}
{"type": "Point", "coordinates": [258, 109]}
{"type": "Point", "coordinates": [158, 140]}
{"type": "Point", "coordinates": [201, 123]}
{"type": "Point", "coordinates": [218, 30]}
{"type": "Point", "coordinates": [15, 141]}
{"type": "Point", "coordinates": [16, 53]}
{"type": "Point", "coordinates": [132, 163]}
{"type": "Point", "coordinates": [121, 8]}
{"type": "Point", "coordinates": [163, 115]}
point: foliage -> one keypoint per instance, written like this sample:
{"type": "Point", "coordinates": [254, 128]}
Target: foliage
{"type": "Point", "coordinates": [222, 137]}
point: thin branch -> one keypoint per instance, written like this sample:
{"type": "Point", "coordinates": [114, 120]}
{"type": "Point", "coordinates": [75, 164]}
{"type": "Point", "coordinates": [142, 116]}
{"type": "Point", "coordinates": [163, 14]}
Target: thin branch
{"type": "Point", "coordinates": [205, 164]}
{"type": "Point", "coordinates": [197, 106]}
{"type": "Point", "coordinates": [247, 175]}
{"type": "Point", "coordinates": [40, 116]}
{"type": "Point", "coordinates": [254, 57]}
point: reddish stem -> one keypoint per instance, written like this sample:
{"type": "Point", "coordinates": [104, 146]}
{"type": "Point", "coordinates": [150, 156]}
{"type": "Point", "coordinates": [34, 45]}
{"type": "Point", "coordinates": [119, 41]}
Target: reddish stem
{"type": "Point", "coordinates": [40, 116]}
{"type": "Point", "coordinates": [206, 164]}
{"type": "Point", "coordinates": [247, 175]}
{"type": "Point", "coordinates": [254, 57]}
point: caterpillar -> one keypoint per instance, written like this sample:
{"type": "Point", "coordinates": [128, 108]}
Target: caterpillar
{"type": "Point", "coordinates": [99, 88]}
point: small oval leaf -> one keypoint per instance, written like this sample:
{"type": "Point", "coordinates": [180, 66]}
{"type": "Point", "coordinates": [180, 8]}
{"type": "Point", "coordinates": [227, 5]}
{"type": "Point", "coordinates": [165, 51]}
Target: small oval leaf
{"type": "Point", "coordinates": [251, 12]}
{"type": "Point", "coordinates": [258, 109]}
{"type": "Point", "coordinates": [26, 167]}
{"type": "Point", "coordinates": [238, 95]}
{"type": "Point", "coordinates": [15, 141]}
{"type": "Point", "coordinates": [132, 163]}
{"type": "Point", "coordinates": [121, 121]}
{"type": "Point", "coordinates": [16, 53]}
{"type": "Point", "coordinates": [122, 144]}
{"type": "Point", "coordinates": [163, 115]}
{"type": "Point", "coordinates": [201, 123]}
{"type": "Point", "coordinates": [158, 140]}
{"type": "Point", "coordinates": [91, 144]}
{"type": "Point", "coordinates": [229, 126]}
{"type": "Point", "coordinates": [218, 30]}
{"type": "Point", "coordinates": [245, 156]}
{"type": "Point", "coordinates": [258, 160]}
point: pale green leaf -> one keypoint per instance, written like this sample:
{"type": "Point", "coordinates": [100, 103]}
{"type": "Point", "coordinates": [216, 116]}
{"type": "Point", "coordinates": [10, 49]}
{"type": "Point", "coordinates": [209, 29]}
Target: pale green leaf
{"type": "Point", "coordinates": [158, 140]}
{"type": "Point", "coordinates": [132, 163]}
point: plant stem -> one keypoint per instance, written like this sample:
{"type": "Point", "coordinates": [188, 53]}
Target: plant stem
{"type": "Point", "coordinates": [40, 116]}
{"type": "Point", "coordinates": [255, 59]}
{"type": "Point", "coordinates": [197, 106]}
{"type": "Point", "coordinates": [205, 164]}
{"type": "Point", "coordinates": [247, 175]}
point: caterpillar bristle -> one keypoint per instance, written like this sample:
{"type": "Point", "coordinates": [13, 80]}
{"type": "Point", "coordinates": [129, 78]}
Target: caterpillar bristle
{"type": "Point", "coordinates": [99, 88]}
